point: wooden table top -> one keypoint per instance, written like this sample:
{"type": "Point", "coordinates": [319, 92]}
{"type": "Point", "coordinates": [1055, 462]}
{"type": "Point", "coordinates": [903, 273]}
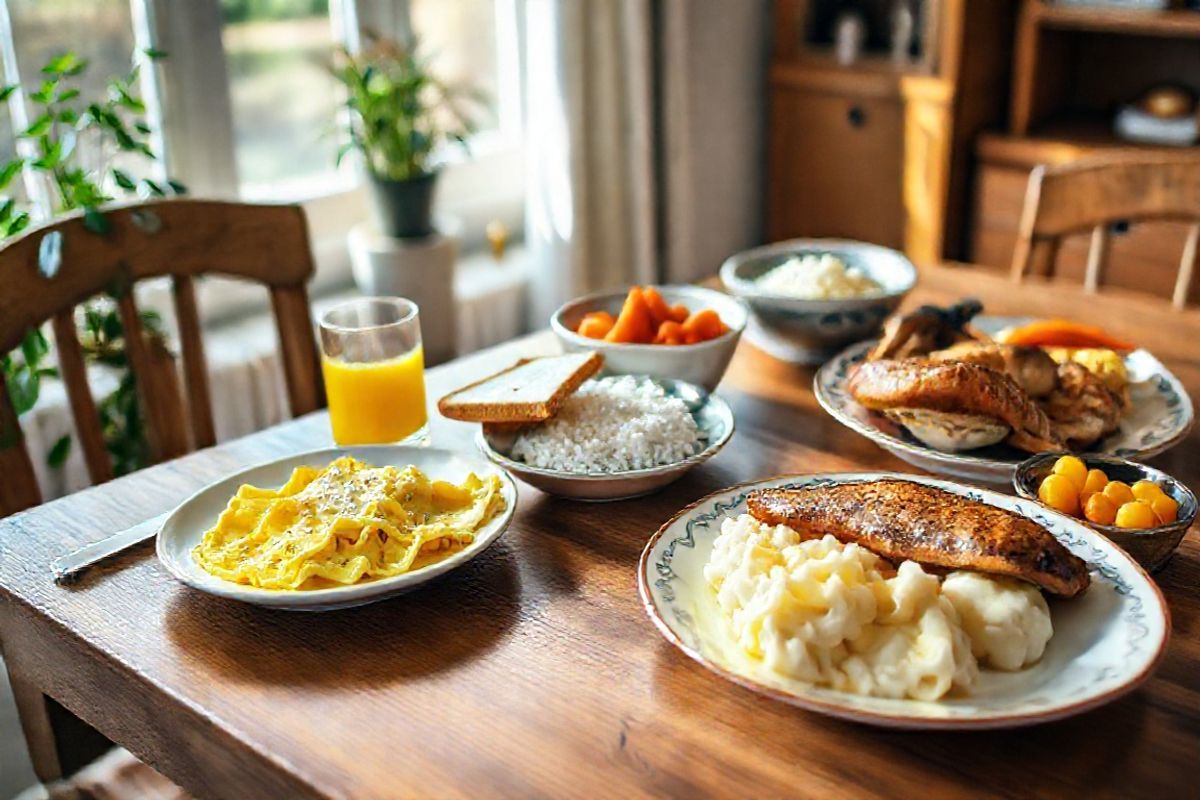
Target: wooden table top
{"type": "Point", "coordinates": [533, 671]}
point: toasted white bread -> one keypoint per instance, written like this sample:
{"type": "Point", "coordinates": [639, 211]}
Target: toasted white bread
{"type": "Point", "coordinates": [532, 390]}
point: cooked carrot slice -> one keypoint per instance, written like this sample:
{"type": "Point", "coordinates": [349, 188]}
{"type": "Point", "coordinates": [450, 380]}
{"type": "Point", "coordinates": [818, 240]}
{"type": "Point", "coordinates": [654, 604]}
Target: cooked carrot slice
{"type": "Point", "coordinates": [701, 326]}
{"type": "Point", "coordinates": [679, 312]}
{"type": "Point", "coordinates": [596, 325]}
{"type": "Point", "coordinates": [660, 312]}
{"type": "Point", "coordinates": [1064, 333]}
{"type": "Point", "coordinates": [634, 324]}
{"type": "Point", "coordinates": [669, 332]}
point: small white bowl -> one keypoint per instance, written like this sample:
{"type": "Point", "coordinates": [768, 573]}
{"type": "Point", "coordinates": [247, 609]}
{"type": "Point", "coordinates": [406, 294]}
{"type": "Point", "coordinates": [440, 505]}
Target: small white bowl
{"type": "Point", "coordinates": [712, 415]}
{"type": "Point", "coordinates": [813, 331]}
{"type": "Point", "coordinates": [701, 364]}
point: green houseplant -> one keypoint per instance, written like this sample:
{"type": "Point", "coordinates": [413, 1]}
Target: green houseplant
{"type": "Point", "coordinates": [81, 150]}
{"type": "Point", "coordinates": [400, 114]}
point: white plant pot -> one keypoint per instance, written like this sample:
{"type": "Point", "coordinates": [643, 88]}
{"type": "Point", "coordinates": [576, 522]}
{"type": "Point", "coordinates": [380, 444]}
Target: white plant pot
{"type": "Point", "coordinates": [421, 270]}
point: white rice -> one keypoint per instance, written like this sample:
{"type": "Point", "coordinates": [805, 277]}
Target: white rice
{"type": "Point", "coordinates": [611, 425]}
{"type": "Point", "coordinates": [817, 277]}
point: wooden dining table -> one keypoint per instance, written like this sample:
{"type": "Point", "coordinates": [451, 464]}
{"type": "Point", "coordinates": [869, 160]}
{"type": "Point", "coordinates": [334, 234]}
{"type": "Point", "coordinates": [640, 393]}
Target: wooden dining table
{"type": "Point", "coordinates": [533, 670]}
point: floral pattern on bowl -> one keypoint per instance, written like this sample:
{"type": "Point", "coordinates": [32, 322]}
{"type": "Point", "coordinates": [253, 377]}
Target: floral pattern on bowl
{"type": "Point", "coordinates": [1106, 642]}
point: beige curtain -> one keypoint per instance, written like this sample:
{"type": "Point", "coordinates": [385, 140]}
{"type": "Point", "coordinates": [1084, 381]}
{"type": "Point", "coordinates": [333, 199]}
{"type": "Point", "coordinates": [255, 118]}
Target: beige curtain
{"type": "Point", "coordinates": [644, 137]}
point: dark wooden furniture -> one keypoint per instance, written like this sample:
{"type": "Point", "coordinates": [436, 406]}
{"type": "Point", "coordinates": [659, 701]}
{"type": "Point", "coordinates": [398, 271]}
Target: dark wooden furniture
{"type": "Point", "coordinates": [1091, 195]}
{"type": "Point", "coordinates": [534, 671]}
{"type": "Point", "coordinates": [1072, 68]}
{"type": "Point", "coordinates": [179, 239]}
{"type": "Point", "coordinates": [182, 240]}
{"type": "Point", "coordinates": [875, 150]}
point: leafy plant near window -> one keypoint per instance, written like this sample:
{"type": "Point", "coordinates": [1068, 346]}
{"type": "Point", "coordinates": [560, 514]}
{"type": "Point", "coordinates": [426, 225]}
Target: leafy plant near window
{"type": "Point", "coordinates": [65, 132]}
{"type": "Point", "coordinates": [400, 114]}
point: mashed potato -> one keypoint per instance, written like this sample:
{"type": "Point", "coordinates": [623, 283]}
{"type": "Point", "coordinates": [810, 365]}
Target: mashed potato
{"type": "Point", "coordinates": [1008, 621]}
{"type": "Point", "coordinates": [837, 615]}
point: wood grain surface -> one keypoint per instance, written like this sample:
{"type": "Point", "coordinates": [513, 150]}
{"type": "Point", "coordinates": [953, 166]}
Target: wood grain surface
{"type": "Point", "coordinates": [533, 671]}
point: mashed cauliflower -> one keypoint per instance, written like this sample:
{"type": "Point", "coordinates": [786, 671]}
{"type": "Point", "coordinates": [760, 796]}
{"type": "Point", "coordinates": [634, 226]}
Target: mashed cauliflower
{"type": "Point", "coordinates": [837, 615]}
{"type": "Point", "coordinates": [1008, 621]}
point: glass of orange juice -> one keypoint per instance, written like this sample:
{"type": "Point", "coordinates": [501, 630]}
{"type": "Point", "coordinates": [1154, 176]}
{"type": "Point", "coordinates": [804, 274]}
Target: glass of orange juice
{"type": "Point", "coordinates": [374, 372]}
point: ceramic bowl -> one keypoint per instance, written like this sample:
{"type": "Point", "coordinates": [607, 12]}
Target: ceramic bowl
{"type": "Point", "coordinates": [1152, 547]}
{"type": "Point", "coordinates": [813, 331]}
{"type": "Point", "coordinates": [700, 364]}
{"type": "Point", "coordinates": [712, 415]}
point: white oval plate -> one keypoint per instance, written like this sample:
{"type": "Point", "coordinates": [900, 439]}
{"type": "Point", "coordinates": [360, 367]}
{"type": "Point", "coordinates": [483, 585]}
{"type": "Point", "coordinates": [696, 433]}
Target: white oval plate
{"type": "Point", "coordinates": [1106, 642]}
{"type": "Point", "coordinates": [186, 525]}
{"type": "Point", "coordinates": [1160, 417]}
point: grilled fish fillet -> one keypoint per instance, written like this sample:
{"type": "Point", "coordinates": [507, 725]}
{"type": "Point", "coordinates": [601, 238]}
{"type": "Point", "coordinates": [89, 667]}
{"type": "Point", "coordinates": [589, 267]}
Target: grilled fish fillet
{"type": "Point", "coordinates": [957, 387]}
{"type": "Point", "coordinates": [901, 520]}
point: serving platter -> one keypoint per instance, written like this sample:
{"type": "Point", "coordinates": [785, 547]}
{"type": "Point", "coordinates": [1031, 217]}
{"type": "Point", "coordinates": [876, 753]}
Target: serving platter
{"type": "Point", "coordinates": [1106, 642]}
{"type": "Point", "coordinates": [1160, 417]}
{"type": "Point", "coordinates": [712, 415]}
{"type": "Point", "coordinates": [185, 526]}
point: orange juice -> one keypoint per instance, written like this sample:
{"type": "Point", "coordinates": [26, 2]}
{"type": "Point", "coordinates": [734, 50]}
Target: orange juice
{"type": "Point", "coordinates": [376, 402]}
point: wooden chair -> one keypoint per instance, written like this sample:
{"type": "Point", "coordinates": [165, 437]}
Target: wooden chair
{"type": "Point", "coordinates": [179, 239]}
{"type": "Point", "coordinates": [1091, 195]}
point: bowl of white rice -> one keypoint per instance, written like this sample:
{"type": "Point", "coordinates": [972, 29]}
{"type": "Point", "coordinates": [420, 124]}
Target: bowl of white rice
{"type": "Point", "coordinates": [811, 298]}
{"type": "Point", "coordinates": [617, 437]}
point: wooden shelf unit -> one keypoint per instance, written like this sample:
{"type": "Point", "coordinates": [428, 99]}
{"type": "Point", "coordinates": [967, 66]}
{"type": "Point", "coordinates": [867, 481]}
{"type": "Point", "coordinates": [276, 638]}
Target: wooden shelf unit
{"type": "Point", "coordinates": [1179, 23]}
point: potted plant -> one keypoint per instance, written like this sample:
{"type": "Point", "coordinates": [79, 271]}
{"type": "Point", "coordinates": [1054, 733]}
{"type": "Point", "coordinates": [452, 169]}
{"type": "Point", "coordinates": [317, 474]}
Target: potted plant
{"type": "Point", "coordinates": [400, 117]}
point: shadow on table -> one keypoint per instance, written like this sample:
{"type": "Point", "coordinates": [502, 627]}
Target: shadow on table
{"type": "Point", "coordinates": [1086, 750]}
{"type": "Point", "coordinates": [455, 618]}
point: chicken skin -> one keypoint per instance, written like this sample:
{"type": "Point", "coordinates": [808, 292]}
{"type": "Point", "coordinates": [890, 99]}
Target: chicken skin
{"type": "Point", "coordinates": [899, 520]}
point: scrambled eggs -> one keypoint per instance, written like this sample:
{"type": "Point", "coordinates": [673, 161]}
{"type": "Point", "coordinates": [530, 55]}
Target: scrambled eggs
{"type": "Point", "coordinates": [837, 615]}
{"type": "Point", "coordinates": [344, 523]}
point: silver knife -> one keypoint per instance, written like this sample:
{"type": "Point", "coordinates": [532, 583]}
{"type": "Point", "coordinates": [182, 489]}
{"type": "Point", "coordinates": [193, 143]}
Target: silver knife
{"type": "Point", "coordinates": [68, 568]}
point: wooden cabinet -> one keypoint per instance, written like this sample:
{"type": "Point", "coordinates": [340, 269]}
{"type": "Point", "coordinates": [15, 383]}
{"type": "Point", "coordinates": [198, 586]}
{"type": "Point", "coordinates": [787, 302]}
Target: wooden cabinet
{"type": "Point", "coordinates": [835, 162]}
{"type": "Point", "coordinates": [878, 150]}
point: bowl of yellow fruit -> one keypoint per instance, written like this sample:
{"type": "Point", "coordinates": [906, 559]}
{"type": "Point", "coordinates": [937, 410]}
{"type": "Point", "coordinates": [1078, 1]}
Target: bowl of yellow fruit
{"type": "Point", "coordinates": [1143, 510]}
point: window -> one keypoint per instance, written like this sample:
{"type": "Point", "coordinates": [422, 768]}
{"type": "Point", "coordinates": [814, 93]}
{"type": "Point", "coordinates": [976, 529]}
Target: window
{"type": "Point", "coordinates": [247, 108]}
{"type": "Point", "coordinates": [284, 100]}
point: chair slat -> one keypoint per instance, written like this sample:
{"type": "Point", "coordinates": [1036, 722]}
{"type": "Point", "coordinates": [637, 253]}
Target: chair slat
{"type": "Point", "coordinates": [73, 371]}
{"type": "Point", "coordinates": [298, 349]}
{"type": "Point", "coordinates": [195, 368]}
{"type": "Point", "coordinates": [18, 488]}
{"type": "Point", "coordinates": [1187, 267]}
{"type": "Point", "coordinates": [1097, 259]}
{"type": "Point", "coordinates": [158, 386]}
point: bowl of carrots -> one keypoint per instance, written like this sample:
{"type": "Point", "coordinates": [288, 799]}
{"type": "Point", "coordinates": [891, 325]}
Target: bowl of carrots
{"type": "Point", "coordinates": [684, 333]}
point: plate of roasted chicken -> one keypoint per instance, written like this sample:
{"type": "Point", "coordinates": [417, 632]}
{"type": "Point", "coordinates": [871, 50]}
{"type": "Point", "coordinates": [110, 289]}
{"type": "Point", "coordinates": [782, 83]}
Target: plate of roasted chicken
{"type": "Point", "coordinates": [903, 601]}
{"type": "Point", "coordinates": [971, 396]}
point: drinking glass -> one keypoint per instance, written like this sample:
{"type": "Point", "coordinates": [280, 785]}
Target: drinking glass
{"type": "Point", "coordinates": [374, 371]}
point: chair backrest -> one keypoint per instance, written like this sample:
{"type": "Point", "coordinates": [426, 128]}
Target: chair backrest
{"type": "Point", "coordinates": [1091, 194]}
{"type": "Point", "coordinates": [180, 239]}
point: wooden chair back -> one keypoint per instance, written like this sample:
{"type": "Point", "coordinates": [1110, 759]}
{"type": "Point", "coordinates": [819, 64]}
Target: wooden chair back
{"type": "Point", "coordinates": [179, 239]}
{"type": "Point", "coordinates": [1090, 195]}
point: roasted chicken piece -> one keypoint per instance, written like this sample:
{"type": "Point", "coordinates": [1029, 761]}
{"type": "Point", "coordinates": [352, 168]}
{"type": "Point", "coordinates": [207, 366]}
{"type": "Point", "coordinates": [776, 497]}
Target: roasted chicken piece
{"type": "Point", "coordinates": [1082, 408]}
{"type": "Point", "coordinates": [1031, 367]}
{"type": "Point", "coordinates": [957, 387]}
{"type": "Point", "coordinates": [901, 520]}
{"type": "Point", "coordinates": [929, 328]}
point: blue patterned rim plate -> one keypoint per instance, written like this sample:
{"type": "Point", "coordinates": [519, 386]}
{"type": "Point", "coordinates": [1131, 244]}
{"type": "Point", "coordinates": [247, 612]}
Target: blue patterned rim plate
{"type": "Point", "coordinates": [1160, 418]}
{"type": "Point", "coordinates": [1106, 642]}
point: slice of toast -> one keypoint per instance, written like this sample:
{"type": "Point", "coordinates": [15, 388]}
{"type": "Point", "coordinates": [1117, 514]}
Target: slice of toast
{"type": "Point", "coordinates": [532, 390]}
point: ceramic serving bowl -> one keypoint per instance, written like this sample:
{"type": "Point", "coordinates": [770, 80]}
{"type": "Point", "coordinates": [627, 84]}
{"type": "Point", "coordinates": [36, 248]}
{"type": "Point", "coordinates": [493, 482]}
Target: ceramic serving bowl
{"type": "Point", "coordinates": [712, 414]}
{"type": "Point", "coordinates": [813, 331]}
{"type": "Point", "coordinates": [1152, 547]}
{"type": "Point", "coordinates": [701, 364]}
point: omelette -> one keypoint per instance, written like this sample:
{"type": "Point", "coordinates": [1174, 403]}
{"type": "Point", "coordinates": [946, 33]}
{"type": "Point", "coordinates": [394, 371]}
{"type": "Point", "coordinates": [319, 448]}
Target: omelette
{"type": "Point", "coordinates": [345, 523]}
